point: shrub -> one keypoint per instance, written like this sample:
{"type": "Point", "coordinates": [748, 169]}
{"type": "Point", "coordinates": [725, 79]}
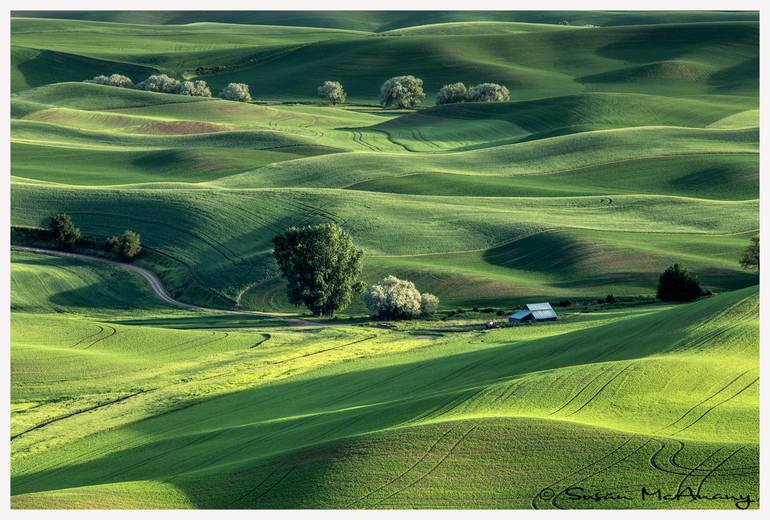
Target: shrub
{"type": "Point", "coordinates": [393, 298]}
{"type": "Point", "coordinates": [500, 313]}
{"type": "Point", "coordinates": [64, 230]}
{"type": "Point", "coordinates": [112, 243]}
{"type": "Point", "coordinates": [402, 92]}
{"type": "Point", "coordinates": [194, 88]}
{"type": "Point", "coordinates": [160, 83]}
{"type": "Point", "coordinates": [452, 93]}
{"type": "Point", "coordinates": [565, 303]}
{"type": "Point", "coordinates": [130, 244]}
{"type": "Point", "coordinates": [236, 92]}
{"type": "Point", "coordinates": [676, 284]}
{"type": "Point", "coordinates": [488, 92]}
{"type": "Point", "coordinates": [610, 299]}
{"type": "Point", "coordinates": [750, 258]}
{"type": "Point", "coordinates": [321, 265]}
{"type": "Point", "coordinates": [428, 304]}
{"type": "Point", "coordinates": [332, 92]}
{"type": "Point", "coordinates": [488, 310]}
{"type": "Point", "coordinates": [114, 80]}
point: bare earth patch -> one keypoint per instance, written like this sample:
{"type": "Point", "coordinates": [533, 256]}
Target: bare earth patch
{"type": "Point", "coordinates": [179, 128]}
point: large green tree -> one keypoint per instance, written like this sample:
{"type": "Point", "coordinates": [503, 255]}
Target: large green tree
{"type": "Point", "coordinates": [321, 265]}
{"type": "Point", "coordinates": [677, 284]}
{"type": "Point", "coordinates": [64, 230]}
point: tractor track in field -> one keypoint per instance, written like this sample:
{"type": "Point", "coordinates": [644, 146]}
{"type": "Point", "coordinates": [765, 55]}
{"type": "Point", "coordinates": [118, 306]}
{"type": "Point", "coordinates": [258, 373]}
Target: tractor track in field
{"type": "Point", "coordinates": [77, 412]}
{"type": "Point", "coordinates": [112, 332]}
{"type": "Point", "coordinates": [668, 464]}
{"type": "Point", "coordinates": [282, 361]}
{"type": "Point", "coordinates": [688, 472]}
{"type": "Point", "coordinates": [601, 389]}
{"type": "Point", "coordinates": [403, 473]}
{"type": "Point", "coordinates": [160, 291]}
{"type": "Point", "coordinates": [723, 401]}
{"type": "Point", "coordinates": [86, 338]}
{"type": "Point", "coordinates": [704, 401]}
{"type": "Point", "coordinates": [583, 389]}
{"type": "Point", "coordinates": [433, 468]}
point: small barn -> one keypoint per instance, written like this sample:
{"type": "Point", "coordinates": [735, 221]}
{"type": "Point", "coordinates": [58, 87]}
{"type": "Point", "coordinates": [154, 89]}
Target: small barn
{"type": "Point", "coordinates": [533, 312]}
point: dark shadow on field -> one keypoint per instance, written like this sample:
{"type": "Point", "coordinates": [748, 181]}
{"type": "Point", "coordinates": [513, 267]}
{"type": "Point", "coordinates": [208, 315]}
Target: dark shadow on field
{"type": "Point", "coordinates": [208, 321]}
{"type": "Point", "coordinates": [651, 44]}
{"type": "Point", "coordinates": [240, 431]}
{"type": "Point", "coordinates": [742, 75]}
{"type": "Point", "coordinates": [56, 67]}
{"type": "Point", "coordinates": [102, 296]}
{"type": "Point", "coordinates": [573, 262]}
{"type": "Point", "coordinates": [550, 252]}
{"type": "Point", "coordinates": [118, 290]}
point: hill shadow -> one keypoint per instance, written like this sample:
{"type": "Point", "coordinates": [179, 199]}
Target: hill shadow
{"type": "Point", "coordinates": [242, 431]}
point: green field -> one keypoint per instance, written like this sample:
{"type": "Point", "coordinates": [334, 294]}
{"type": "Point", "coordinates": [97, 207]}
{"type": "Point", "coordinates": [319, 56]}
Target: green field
{"type": "Point", "coordinates": [631, 141]}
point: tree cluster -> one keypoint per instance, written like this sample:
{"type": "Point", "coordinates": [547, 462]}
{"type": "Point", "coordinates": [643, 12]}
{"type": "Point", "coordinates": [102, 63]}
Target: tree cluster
{"type": "Point", "coordinates": [168, 85]}
{"type": "Point", "coordinates": [393, 298]}
{"type": "Point", "coordinates": [129, 244]}
{"type": "Point", "coordinates": [483, 92]}
{"type": "Point", "coordinates": [114, 80]}
{"type": "Point", "coordinates": [64, 231]}
{"type": "Point", "coordinates": [194, 88]}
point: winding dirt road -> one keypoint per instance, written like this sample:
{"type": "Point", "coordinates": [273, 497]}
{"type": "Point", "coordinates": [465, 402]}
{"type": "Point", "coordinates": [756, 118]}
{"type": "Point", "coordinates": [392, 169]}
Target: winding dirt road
{"type": "Point", "coordinates": [157, 286]}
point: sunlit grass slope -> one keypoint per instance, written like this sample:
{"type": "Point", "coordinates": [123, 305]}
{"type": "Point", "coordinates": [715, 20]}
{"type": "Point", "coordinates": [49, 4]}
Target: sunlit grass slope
{"type": "Point", "coordinates": [623, 398]}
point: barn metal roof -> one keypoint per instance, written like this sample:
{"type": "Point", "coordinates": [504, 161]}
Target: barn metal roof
{"type": "Point", "coordinates": [539, 307]}
{"type": "Point", "coordinates": [519, 315]}
{"type": "Point", "coordinates": [544, 315]}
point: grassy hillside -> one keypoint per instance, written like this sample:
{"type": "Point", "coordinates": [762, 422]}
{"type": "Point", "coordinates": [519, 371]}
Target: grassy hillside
{"type": "Point", "coordinates": [377, 21]}
{"type": "Point", "coordinates": [678, 58]}
{"type": "Point", "coordinates": [631, 141]}
{"type": "Point", "coordinates": [210, 182]}
{"type": "Point", "coordinates": [390, 428]}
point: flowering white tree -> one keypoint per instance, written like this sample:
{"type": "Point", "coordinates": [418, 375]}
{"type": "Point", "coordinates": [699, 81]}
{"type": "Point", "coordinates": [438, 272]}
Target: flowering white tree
{"type": "Point", "coordinates": [194, 88]}
{"type": "Point", "coordinates": [332, 92]}
{"type": "Point", "coordinates": [428, 303]}
{"type": "Point", "coordinates": [488, 92]}
{"type": "Point", "coordinates": [393, 298]}
{"type": "Point", "coordinates": [402, 92]}
{"type": "Point", "coordinates": [452, 93]}
{"type": "Point", "coordinates": [236, 92]}
{"type": "Point", "coordinates": [115, 80]}
{"type": "Point", "coordinates": [159, 83]}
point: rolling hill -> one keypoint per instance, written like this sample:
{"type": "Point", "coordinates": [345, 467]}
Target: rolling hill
{"type": "Point", "coordinates": [631, 142]}
{"type": "Point", "coordinates": [389, 427]}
